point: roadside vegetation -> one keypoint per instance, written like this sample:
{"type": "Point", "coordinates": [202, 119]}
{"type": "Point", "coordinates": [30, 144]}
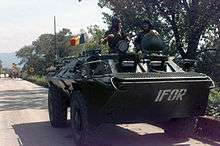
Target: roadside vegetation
{"type": "Point", "coordinates": [191, 30]}
{"type": "Point", "coordinates": [0, 67]}
{"type": "Point", "coordinates": [37, 79]}
{"type": "Point", "coordinates": [214, 103]}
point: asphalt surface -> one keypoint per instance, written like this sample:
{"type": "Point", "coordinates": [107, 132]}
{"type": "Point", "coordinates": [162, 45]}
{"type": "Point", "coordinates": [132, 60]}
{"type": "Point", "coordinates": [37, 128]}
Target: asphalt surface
{"type": "Point", "coordinates": [24, 122]}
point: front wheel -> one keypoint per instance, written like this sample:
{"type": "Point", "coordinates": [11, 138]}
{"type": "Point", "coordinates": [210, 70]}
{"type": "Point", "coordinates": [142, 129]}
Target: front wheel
{"type": "Point", "coordinates": [79, 119]}
{"type": "Point", "coordinates": [57, 108]}
{"type": "Point", "coordinates": [181, 127]}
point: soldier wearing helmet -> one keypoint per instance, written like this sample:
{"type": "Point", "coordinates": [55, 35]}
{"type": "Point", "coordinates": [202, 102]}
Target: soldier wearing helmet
{"type": "Point", "coordinates": [148, 39]}
{"type": "Point", "coordinates": [145, 28]}
{"type": "Point", "coordinates": [114, 35]}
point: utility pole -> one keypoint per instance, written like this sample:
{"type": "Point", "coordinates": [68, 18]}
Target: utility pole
{"type": "Point", "coordinates": [55, 39]}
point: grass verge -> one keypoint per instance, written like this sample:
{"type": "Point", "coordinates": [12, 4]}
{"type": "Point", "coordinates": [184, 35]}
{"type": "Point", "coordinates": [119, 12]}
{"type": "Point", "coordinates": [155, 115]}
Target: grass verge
{"type": "Point", "coordinates": [213, 108]}
{"type": "Point", "coordinates": [39, 80]}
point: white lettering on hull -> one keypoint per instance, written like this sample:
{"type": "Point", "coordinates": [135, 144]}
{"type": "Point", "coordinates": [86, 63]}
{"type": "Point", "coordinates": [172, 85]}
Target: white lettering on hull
{"type": "Point", "coordinates": [171, 95]}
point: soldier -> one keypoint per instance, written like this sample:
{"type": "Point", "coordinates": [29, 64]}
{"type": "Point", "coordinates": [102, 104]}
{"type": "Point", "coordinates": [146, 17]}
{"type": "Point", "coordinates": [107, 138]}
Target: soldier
{"type": "Point", "coordinates": [114, 35]}
{"type": "Point", "coordinates": [148, 39]}
{"type": "Point", "coordinates": [4, 73]}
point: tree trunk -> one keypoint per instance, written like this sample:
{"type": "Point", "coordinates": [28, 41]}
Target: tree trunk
{"type": "Point", "coordinates": [193, 43]}
{"type": "Point", "coordinates": [217, 64]}
{"type": "Point", "coordinates": [178, 41]}
{"type": "Point", "coordinates": [194, 30]}
{"type": "Point", "coordinates": [179, 45]}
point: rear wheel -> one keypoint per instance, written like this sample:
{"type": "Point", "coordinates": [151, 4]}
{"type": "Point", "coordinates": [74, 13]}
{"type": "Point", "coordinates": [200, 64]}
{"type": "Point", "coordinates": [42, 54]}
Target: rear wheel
{"type": "Point", "coordinates": [79, 120]}
{"type": "Point", "coordinates": [181, 127]}
{"type": "Point", "coordinates": [57, 107]}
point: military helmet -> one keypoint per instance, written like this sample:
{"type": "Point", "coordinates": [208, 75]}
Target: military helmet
{"type": "Point", "coordinates": [116, 21]}
{"type": "Point", "coordinates": [148, 22]}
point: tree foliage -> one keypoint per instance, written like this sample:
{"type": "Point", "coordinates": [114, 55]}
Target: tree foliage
{"type": "Point", "coordinates": [213, 108]}
{"type": "Point", "coordinates": [0, 66]}
{"type": "Point", "coordinates": [42, 53]}
{"type": "Point", "coordinates": [97, 34]}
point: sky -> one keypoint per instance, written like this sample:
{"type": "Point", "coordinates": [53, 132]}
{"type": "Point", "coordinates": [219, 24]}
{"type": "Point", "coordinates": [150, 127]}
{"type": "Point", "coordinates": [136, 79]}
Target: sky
{"type": "Point", "coordinates": [22, 21]}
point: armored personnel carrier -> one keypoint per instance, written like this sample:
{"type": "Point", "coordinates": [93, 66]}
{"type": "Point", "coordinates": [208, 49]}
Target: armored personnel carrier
{"type": "Point", "coordinates": [126, 88]}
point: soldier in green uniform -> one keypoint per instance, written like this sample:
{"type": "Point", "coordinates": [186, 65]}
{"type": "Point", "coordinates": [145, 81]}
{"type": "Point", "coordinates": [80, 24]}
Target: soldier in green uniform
{"type": "Point", "coordinates": [148, 40]}
{"type": "Point", "coordinates": [114, 35]}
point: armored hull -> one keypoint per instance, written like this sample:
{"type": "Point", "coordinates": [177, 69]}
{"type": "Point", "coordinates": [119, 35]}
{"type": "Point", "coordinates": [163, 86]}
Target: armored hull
{"type": "Point", "coordinates": [138, 96]}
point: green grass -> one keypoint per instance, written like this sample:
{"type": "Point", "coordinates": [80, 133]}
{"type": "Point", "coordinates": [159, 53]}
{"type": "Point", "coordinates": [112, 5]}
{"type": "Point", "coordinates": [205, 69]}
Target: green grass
{"type": "Point", "coordinates": [39, 80]}
{"type": "Point", "coordinates": [214, 103]}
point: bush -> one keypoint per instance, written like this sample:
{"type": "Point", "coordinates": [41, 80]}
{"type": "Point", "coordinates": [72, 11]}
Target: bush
{"type": "Point", "coordinates": [214, 103]}
{"type": "Point", "coordinates": [37, 79]}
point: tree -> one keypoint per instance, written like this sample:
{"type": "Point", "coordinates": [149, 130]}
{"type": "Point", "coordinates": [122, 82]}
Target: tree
{"type": "Point", "coordinates": [63, 45]}
{"type": "Point", "coordinates": [42, 52]}
{"type": "Point", "coordinates": [29, 58]}
{"type": "Point", "coordinates": [25, 53]}
{"type": "Point", "coordinates": [0, 67]}
{"type": "Point", "coordinates": [217, 62]}
{"type": "Point", "coordinates": [182, 22]}
{"type": "Point", "coordinates": [96, 36]}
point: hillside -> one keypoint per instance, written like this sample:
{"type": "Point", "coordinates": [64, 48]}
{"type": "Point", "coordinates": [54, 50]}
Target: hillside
{"type": "Point", "coordinates": [8, 58]}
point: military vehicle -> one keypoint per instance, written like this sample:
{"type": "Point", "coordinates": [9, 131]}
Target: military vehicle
{"type": "Point", "coordinates": [14, 73]}
{"type": "Point", "coordinates": [126, 88]}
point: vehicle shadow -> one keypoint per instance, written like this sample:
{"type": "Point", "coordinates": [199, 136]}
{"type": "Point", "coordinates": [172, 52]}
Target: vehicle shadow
{"type": "Point", "coordinates": [42, 134]}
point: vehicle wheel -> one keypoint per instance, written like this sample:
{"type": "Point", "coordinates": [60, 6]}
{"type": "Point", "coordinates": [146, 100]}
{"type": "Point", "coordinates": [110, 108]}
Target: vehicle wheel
{"type": "Point", "coordinates": [79, 121]}
{"type": "Point", "coordinates": [181, 127]}
{"type": "Point", "coordinates": [57, 108]}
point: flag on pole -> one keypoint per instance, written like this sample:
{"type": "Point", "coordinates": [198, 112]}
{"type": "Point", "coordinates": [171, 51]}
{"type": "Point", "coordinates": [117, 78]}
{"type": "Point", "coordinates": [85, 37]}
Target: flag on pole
{"type": "Point", "coordinates": [77, 40]}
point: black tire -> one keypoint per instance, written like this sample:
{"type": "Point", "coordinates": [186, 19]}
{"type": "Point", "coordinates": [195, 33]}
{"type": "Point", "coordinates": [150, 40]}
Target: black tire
{"type": "Point", "coordinates": [181, 127]}
{"type": "Point", "coordinates": [57, 108]}
{"type": "Point", "coordinates": [79, 119]}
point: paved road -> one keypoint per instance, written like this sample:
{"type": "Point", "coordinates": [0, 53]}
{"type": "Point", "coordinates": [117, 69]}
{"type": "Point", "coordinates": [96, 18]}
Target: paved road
{"type": "Point", "coordinates": [24, 122]}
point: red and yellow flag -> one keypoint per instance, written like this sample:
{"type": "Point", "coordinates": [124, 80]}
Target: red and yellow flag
{"type": "Point", "coordinates": [77, 40]}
